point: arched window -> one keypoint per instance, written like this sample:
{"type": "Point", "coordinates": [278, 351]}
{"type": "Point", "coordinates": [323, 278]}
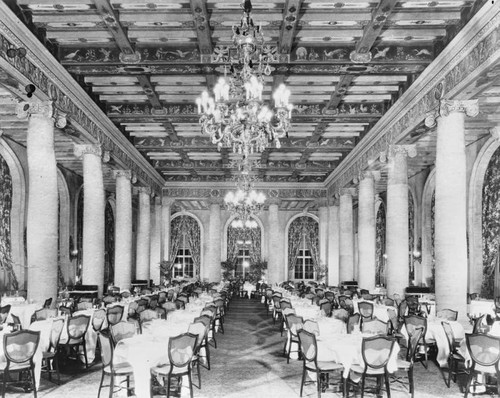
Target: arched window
{"type": "Point", "coordinates": [303, 248]}
{"type": "Point", "coordinates": [243, 248]}
{"type": "Point", "coordinates": [491, 227]}
{"type": "Point", "coordinates": [185, 246]}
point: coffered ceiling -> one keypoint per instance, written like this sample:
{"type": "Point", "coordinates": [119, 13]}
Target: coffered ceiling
{"type": "Point", "coordinates": [346, 63]}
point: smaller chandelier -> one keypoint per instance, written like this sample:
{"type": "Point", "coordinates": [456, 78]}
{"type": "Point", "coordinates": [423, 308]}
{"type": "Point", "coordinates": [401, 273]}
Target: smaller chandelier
{"type": "Point", "coordinates": [244, 203]}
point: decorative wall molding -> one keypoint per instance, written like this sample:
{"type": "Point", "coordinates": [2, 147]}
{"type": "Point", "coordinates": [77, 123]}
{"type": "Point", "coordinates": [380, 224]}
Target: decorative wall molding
{"type": "Point", "coordinates": [469, 54]}
{"type": "Point", "coordinates": [42, 69]}
{"type": "Point", "coordinates": [215, 194]}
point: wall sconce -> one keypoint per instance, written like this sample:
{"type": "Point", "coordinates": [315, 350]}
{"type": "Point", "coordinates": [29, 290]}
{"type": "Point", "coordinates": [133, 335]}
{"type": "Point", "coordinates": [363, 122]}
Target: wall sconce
{"type": "Point", "coordinates": [73, 251]}
{"type": "Point", "coordinates": [417, 252]}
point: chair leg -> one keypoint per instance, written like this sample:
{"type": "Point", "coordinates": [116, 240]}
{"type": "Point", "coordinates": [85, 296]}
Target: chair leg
{"type": "Point", "coordinates": [303, 380]}
{"type": "Point", "coordinates": [55, 363]}
{"type": "Point", "coordinates": [199, 373]}
{"type": "Point", "coordinates": [410, 382]}
{"type": "Point", "coordinates": [100, 385]}
{"type": "Point", "coordinates": [168, 386]}
{"type": "Point", "coordinates": [111, 386]}
{"type": "Point", "coordinates": [387, 385]}
{"type": "Point", "coordinates": [32, 374]}
{"type": "Point", "coordinates": [318, 383]}
{"type": "Point", "coordinates": [85, 354]}
{"type": "Point", "coordinates": [190, 385]}
{"type": "Point", "coordinates": [469, 382]}
{"type": "Point", "coordinates": [362, 385]}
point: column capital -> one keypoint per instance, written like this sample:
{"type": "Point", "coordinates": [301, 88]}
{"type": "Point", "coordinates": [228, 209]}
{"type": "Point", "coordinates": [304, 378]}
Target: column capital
{"type": "Point", "coordinates": [323, 202]}
{"type": "Point", "coordinates": [142, 190]}
{"type": "Point", "coordinates": [367, 174]}
{"type": "Point", "coordinates": [494, 132]}
{"type": "Point", "coordinates": [274, 201]}
{"type": "Point", "coordinates": [215, 201]}
{"type": "Point", "coordinates": [84, 149]}
{"type": "Point", "coordinates": [394, 150]}
{"type": "Point", "coordinates": [125, 173]}
{"type": "Point", "coordinates": [45, 109]}
{"type": "Point", "coordinates": [165, 201]}
{"type": "Point", "coordinates": [468, 107]}
{"type": "Point", "coordinates": [348, 191]}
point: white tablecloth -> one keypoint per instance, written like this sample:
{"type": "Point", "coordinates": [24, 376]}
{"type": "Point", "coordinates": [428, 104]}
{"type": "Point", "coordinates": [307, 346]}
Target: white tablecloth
{"type": "Point", "coordinates": [480, 307]}
{"type": "Point", "coordinates": [24, 311]}
{"type": "Point", "coordinates": [145, 351]}
{"type": "Point", "coordinates": [346, 350]}
{"type": "Point", "coordinates": [436, 332]}
{"type": "Point", "coordinates": [249, 288]}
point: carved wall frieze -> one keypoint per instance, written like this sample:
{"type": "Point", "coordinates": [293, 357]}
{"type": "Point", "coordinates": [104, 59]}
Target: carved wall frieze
{"type": "Point", "coordinates": [84, 149]}
{"type": "Point", "coordinates": [480, 49]}
{"type": "Point", "coordinates": [194, 193]}
{"type": "Point", "coordinates": [45, 80]}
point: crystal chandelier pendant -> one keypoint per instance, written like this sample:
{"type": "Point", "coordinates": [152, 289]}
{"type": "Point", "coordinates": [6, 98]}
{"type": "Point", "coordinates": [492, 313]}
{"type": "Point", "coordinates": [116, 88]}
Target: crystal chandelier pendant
{"type": "Point", "coordinates": [236, 116]}
{"type": "Point", "coordinates": [245, 203]}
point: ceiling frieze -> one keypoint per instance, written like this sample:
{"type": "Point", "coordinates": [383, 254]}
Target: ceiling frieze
{"type": "Point", "coordinates": [271, 193]}
{"type": "Point", "coordinates": [468, 55]}
{"type": "Point", "coordinates": [40, 68]}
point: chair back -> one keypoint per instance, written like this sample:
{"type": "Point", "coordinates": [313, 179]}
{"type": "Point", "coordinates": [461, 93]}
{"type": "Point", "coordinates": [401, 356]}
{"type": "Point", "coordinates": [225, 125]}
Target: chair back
{"type": "Point", "coordinates": [148, 315]}
{"type": "Point", "coordinates": [199, 330]}
{"type": "Point", "coordinates": [45, 313]}
{"type": "Point", "coordinates": [376, 351]}
{"type": "Point", "coordinates": [183, 297]}
{"type": "Point", "coordinates": [180, 304]}
{"type": "Point", "coordinates": [365, 309]}
{"type": "Point", "coordinates": [169, 306]}
{"type": "Point", "coordinates": [478, 324]}
{"type": "Point", "coordinates": [142, 304]}
{"type": "Point", "coordinates": [414, 321]}
{"type": "Point", "coordinates": [484, 349]}
{"type": "Point", "coordinates": [162, 297]}
{"type": "Point", "coordinates": [393, 319]}
{"type": "Point", "coordinates": [203, 319]}
{"type": "Point", "coordinates": [106, 348]}
{"type": "Point", "coordinates": [108, 300]}
{"type": "Point", "coordinates": [20, 346]}
{"type": "Point", "coordinates": [77, 326]}
{"type": "Point", "coordinates": [388, 302]}
{"type": "Point", "coordinates": [326, 308]}
{"type": "Point", "coordinates": [413, 339]}
{"type": "Point", "coordinates": [449, 335]}
{"type": "Point", "coordinates": [375, 326]}
{"type": "Point", "coordinates": [161, 312]}
{"type": "Point", "coordinates": [55, 333]}
{"type": "Point", "coordinates": [308, 346]}
{"type": "Point", "coordinates": [98, 319]}
{"type": "Point", "coordinates": [284, 303]}
{"type": "Point", "coordinates": [4, 312]}
{"type": "Point", "coordinates": [449, 315]}
{"type": "Point", "coordinates": [47, 303]}
{"type": "Point", "coordinates": [170, 295]}
{"type": "Point", "coordinates": [276, 301]}
{"type": "Point", "coordinates": [122, 330]}
{"type": "Point", "coordinates": [294, 323]}
{"type": "Point", "coordinates": [352, 322]}
{"type": "Point", "coordinates": [65, 311]}
{"type": "Point", "coordinates": [340, 314]}
{"type": "Point", "coordinates": [114, 314]}
{"type": "Point", "coordinates": [311, 327]}
{"type": "Point", "coordinates": [181, 349]}
{"type": "Point", "coordinates": [16, 321]}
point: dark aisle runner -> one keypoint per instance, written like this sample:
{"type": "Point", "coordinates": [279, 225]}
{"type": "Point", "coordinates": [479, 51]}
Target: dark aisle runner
{"type": "Point", "coordinates": [249, 361]}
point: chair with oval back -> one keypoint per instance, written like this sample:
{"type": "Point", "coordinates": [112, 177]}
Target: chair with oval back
{"type": "Point", "coordinates": [484, 351]}
{"type": "Point", "coordinates": [365, 310]}
{"type": "Point", "coordinates": [19, 349]}
{"type": "Point", "coordinates": [98, 319]}
{"type": "Point", "coordinates": [122, 330]}
{"type": "Point", "coordinates": [353, 322]}
{"type": "Point", "coordinates": [114, 314]}
{"type": "Point", "coordinates": [448, 314]}
{"type": "Point", "coordinates": [205, 346]}
{"type": "Point", "coordinates": [294, 323]}
{"type": "Point", "coordinates": [198, 329]}
{"type": "Point", "coordinates": [77, 328]}
{"type": "Point", "coordinates": [454, 357]}
{"type": "Point", "coordinates": [414, 321]}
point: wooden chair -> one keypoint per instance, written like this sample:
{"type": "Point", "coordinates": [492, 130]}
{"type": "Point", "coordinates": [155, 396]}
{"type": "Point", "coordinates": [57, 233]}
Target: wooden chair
{"type": "Point", "coordinates": [449, 315]}
{"type": "Point", "coordinates": [454, 357]}
{"type": "Point", "coordinates": [352, 322]}
{"type": "Point", "coordinates": [19, 349]}
{"type": "Point", "coordinates": [206, 320]}
{"type": "Point", "coordinates": [414, 321]}
{"type": "Point", "coordinates": [50, 363]}
{"type": "Point", "coordinates": [309, 349]}
{"type": "Point", "coordinates": [122, 369]}
{"type": "Point", "coordinates": [77, 329]}
{"type": "Point", "coordinates": [122, 330]}
{"type": "Point", "coordinates": [114, 314]}
{"type": "Point", "coordinates": [294, 323]}
{"type": "Point", "coordinates": [98, 320]}
{"type": "Point", "coordinates": [181, 350]}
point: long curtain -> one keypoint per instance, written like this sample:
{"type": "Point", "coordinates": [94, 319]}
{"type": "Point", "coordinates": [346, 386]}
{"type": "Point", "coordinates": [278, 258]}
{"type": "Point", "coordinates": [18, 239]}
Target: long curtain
{"type": "Point", "coordinates": [186, 226]}
{"type": "Point", "coordinates": [300, 227]}
{"type": "Point", "coordinates": [411, 236]}
{"type": "Point", "coordinates": [109, 232]}
{"type": "Point", "coordinates": [491, 224]}
{"type": "Point", "coordinates": [380, 246]}
{"type": "Point", "coordinates": [5, 209]}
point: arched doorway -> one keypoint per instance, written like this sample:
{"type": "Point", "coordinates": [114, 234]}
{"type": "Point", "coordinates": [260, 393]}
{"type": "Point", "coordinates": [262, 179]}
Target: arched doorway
{"type": "Point", "coordinates": [244, 249]}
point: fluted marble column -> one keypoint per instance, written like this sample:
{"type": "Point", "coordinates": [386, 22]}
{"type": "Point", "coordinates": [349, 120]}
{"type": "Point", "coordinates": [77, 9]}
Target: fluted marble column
{"type": "Point", "coordinates": [451, 201]}
{"type": "Point", "coordinates": [397, 271]}
{"type": "Point", "coordinates": [123, 229]}
{"type": "Point", "coordinates": [156, 251]}
{"type": "Point", "coordinates": [213, 267]}
{"type": "Point", "coordinates": [42, 221]}
{"type": "Point", "coordinates": [366, 230]}
{"type": "Point", "coordinates": [333, 244]}
{"type": "Point", "coordinates": [93, 216]}
{"type": "Point", "coordinates": [346, 235]}
{"type": "Point", "coordinates": [143, 237]}
{"type": "Point", "coordinates": [275, 266]}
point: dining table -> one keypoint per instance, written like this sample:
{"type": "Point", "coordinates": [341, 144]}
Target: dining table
{"type": "Point", "coordinates": [24, 311]}
{"type": "Point", "coordinates": [147, 350]}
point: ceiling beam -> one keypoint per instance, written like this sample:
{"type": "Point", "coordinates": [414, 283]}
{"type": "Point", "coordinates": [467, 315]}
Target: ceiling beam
{"type": "Point", "coordinates": [203, 33]}
{"type": "Point", "coordinates": [111, 19]}
{"type": "Point", "coordinates": [370, 33]}
{"type": "Point", "coordinates": [289, 25]}
{"type": "Point", "coordinates": [172, 134]}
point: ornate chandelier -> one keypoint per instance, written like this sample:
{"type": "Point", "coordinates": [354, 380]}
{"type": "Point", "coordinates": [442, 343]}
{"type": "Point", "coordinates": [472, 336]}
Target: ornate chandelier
{"type": "Point", "coordinates": [236, 116]}
{"type": "Point", "coordinates": [244, 203]}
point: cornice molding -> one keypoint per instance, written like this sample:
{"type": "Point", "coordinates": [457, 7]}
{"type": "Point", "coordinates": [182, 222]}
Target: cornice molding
{"type": "Point", "coordinates": [469, 54]}
{"type": "Point", "coordinates": [271, 194]}
{"type": "Point", "coordinates": [42, 69]}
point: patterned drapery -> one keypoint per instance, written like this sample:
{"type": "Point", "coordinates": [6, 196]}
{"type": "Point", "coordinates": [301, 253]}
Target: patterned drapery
{"type": "Point", "coordinates": [243, 234]}
{"type": "Point", "coordinates": [5, 209]}
{"type": "Point", "coordinates": [411, 236]}
{"type": "Point", "coordinates": [186, 226]}
{"type": "Point", "coordinates": [109, 256]}
{"type": "Point", "coordinates": [491, 224]}
{"type": "Point", "coordinates": [433, 230]}
{"type": "Point", "coordinates": [380, 246]}
{"type": "Point", "coordinates": [300, 227]}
